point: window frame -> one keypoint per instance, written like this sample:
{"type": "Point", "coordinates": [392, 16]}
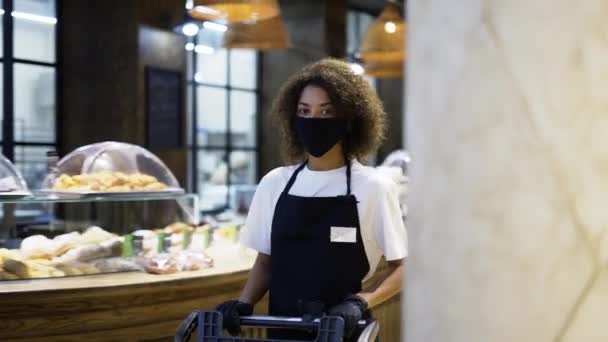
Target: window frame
{"type": "Point", "coordinates": [228, 147]}
{"type": "Point", "coordinates": [8, 60]}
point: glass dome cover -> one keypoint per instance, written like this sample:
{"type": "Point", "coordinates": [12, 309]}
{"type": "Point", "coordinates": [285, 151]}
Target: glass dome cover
{"type": "Point", "coordinates": [10, 179]}
{"type": "Point", "coordinates": [111, 166]}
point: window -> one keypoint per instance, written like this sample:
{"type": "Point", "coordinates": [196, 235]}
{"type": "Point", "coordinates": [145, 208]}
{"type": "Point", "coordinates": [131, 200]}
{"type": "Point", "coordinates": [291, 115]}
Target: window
{"type": "Point", "coordinates": [28, 73]}
{"type": "Point", "coordinates": [223, 123]}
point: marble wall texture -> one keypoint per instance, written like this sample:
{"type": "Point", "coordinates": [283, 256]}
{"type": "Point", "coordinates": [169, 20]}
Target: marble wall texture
{"type": "Point", "coordinates": [507, 124]}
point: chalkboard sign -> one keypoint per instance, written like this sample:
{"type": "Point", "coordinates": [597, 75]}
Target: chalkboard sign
{"type": "Point", "coordinates": [164, 108]}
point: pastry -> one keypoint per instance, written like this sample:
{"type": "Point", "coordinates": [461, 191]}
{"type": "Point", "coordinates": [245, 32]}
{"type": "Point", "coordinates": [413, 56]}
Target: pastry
{"type": "Point", "coordinates": [181, 261]}
{"type": "Point", "coordinates": [161, 264]}
{"type": "Point", "coordinates": [116, 265]}
{"type": "Point", "coordinates": [38, 246]}
{"type": "Point", "coordinates": [89, 252]}
{"type": "Point", "coordinates": [95, 234]}
{"type": "Point", "coordinates": [37, 270]}
{"type": "Point", "coordinates": [177, 227]}
{"type": "Point", "coordinates": [77, 268]}
{"type": "Point", "coordinates": [10, 254]}
{"type": "Point", "coordinates": [17, 268]}
{"type": "Point", "coordinates": [108, 181]}
{"type": "Point", "coordinates": [4, 275]}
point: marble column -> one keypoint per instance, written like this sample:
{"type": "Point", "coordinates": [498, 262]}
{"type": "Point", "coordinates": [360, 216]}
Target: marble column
{"type": "Point", "coordinates": [507, 120]}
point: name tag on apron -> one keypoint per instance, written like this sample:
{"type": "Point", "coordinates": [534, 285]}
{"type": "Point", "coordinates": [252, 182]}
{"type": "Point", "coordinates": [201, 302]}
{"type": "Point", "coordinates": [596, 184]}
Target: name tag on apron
{"type": "Point", "coordinates": [343, 234]}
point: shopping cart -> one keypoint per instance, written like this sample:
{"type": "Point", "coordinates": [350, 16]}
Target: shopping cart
{"type": "Point", "coordinates": [208, 327]}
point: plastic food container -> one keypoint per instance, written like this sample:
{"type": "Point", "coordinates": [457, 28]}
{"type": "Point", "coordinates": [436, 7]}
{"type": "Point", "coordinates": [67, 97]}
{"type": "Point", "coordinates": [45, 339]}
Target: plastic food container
{"type": "Point", "coordinates": [12, 184]}
{"type": "Point", "coordinates": [110, 168]}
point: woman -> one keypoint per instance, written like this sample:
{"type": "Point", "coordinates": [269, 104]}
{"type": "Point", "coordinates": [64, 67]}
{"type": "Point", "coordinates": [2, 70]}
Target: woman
{"type": "Point", "coordinates": [321, 226]}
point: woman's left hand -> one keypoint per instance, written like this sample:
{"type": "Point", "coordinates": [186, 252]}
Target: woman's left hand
{"type": "Point", "coordinates": [351, 309]}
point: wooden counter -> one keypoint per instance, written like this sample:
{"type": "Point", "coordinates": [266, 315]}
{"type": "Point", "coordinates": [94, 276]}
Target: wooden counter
{"type": "Point", "coordinates": [129, 306]}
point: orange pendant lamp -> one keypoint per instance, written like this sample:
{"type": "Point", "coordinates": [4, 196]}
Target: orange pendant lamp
{"type": "Point", "coordinates": [269, 34]}
{"type": "Point", "coordinates": [233, 11]}
{"type": "Point", "coordinates": [383, 47]}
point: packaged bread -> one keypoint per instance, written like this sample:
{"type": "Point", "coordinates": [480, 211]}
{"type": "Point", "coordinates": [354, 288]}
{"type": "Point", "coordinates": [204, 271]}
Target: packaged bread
{"type": "Point", "coordinates": [202, 228]}
{"type": "Point", "coordinates": [41, 247]}
{"type": "Point", "coordinates": [108, 265]}
{"type": "Point", "coordinates": [177, 227]}
{"type": "Point", "coordinates": [64, 242]}
{"type": "Point", "coordinates": [38, 247]}
{"type": "Point", "coordinates": [28, 269]}
{"type": "Point", "coordinates": [16, 267]}
{"type": "Point", "coordinates": [4, 275]}
{"type": "Point", "coordinates": [85, 253]}
{"type": "Point", "coordinates": [177, 262]}
{"type": "Point", "coordinates": [10, 254]}
{"type": "Point", "coordinates": [160, 264]}
{"type": "Point", "coordinates": [77, 268]}
{"type": "Point", "coordinates": [94, 235]}
{"type": "Point", "coordinates": [37, 270]}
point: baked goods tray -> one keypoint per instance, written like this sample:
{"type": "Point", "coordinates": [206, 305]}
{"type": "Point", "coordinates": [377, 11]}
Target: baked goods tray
{"type": "Point", "coordinates": [113, 194]}
{"type": "Point", "coordinates": [11, 195]}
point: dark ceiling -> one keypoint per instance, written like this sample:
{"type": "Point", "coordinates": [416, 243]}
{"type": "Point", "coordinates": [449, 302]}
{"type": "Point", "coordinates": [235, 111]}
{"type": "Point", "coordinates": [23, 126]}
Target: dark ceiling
{"type": "Point", "coordinates": [371, 6]}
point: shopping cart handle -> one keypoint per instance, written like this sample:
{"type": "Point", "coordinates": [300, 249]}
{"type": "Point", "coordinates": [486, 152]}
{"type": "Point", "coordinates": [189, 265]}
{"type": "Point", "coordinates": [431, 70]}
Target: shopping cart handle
{"type": "Point", "coordinates": [286, 322]}
{"type": "Point", "coordinates": [210, 325]}
{"type": "Point", "coordinates": [187, 327]}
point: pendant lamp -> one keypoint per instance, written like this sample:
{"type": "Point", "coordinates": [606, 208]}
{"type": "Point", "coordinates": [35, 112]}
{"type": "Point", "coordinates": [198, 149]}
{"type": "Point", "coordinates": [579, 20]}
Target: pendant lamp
{"type": "Point", "coordinates": [383, 47]}
{"type": "Point", "coordinates": [232, 11]}
{"type": "Point", "coordinates": [269, 34]}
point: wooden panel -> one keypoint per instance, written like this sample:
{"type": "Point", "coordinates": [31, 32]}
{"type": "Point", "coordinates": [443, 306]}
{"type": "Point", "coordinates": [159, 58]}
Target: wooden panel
{"type": "Point", "coordinates": [98, 57]}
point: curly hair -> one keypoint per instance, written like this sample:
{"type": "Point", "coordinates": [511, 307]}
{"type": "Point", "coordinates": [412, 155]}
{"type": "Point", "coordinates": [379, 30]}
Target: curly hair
{"type": "Point", "coordinates": [350, 94]}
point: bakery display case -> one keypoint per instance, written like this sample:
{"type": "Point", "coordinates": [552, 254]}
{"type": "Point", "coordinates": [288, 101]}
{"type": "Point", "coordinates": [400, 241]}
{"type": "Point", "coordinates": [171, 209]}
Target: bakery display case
{"type": "Point", "coordinates": [104, 208]}
{"type": "Point", "coordinates": [44, 237]}
{"type": "Point", "coordinates": [110, 248]}
{"type": "Point", "coordinates": [110, 168]}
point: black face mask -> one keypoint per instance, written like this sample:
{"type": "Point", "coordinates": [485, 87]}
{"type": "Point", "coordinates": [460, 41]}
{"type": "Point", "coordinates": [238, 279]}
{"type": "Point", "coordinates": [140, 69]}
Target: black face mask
{"type": "Point", "coordinates": [319, 135]}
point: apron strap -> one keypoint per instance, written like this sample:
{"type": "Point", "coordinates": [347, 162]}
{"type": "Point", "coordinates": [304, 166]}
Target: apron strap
{"type": "Point", "coordinates": [292, 179]}
{"type": "Point", "coordinates": [347, 176]}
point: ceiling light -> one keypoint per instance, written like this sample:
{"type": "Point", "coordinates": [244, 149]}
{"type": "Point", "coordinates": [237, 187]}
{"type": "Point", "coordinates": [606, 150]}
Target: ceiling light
{"type": "Point", "coordinates": [233, 11]}
{"type": "Point", "coordinates": [382, 50]}
{"type": "Point", "coordinates": [357, 68]}
{"type": "Point", "coordinates": [390, 27]}
{"type": "Point", "coordinates": [190, 29]}
{"type": "Point", "coordinates": [269, 34]}
{"type": "Point", "coordinates": [190, 46]}
{"type": "Point", "coordinates": [34, 17]}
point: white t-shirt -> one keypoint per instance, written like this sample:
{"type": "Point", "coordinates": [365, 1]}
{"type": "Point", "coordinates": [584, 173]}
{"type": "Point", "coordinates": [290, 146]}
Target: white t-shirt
{"type": "Point", "coordinates": [382, 228]}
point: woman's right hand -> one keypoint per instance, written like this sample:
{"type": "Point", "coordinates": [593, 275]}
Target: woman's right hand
{"type": "Point", "coordinates": [232, 311]}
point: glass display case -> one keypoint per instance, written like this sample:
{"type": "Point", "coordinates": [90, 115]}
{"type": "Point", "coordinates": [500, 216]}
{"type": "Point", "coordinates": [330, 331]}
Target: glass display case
{"type": "Point", "coordinates": [104, 208]}
{"type": "Point", "coordinates": [12, 184]}
{"type": "Point", "coordinates": [110, 167]}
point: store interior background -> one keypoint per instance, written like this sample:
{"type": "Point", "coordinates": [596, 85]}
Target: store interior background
{"type": "Point", "coordinates": [79, 78]}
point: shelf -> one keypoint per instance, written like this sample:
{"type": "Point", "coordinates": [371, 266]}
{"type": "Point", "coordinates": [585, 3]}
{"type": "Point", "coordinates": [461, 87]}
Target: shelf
{"type": "Point", "coordinates": [51, 198]}
{"type": "Point", "coordinates": [223, 266]}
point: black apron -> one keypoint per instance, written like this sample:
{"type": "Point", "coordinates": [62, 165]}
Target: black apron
{"type": "Point", "coordinates": [306, 265]}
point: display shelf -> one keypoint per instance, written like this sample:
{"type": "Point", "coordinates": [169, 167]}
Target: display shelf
{"type": "Point", "coordinates": [44, 197]}
{"type": "Point", "coordinates": [224, 265]}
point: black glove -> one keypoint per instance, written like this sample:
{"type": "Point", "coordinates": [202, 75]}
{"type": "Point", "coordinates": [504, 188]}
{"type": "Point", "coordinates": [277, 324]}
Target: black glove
{"type": "Point", "coordinates": [232, 311]}
{"type": "Point", "coordinates": [309, 310]}
{"type": "Point", "coordinates": [351, 310]}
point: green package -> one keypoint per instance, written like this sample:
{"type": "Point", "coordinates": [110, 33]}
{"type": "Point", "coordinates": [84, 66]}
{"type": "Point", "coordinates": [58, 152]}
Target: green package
{"type": "Point", "coordinates": [127, 246]}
